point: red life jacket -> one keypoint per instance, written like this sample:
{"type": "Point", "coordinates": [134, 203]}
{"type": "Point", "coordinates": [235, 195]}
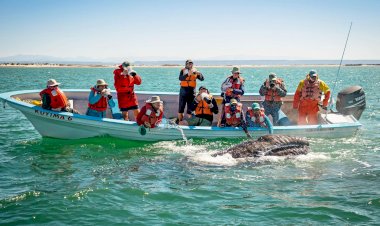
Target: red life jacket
{"type": "Point", "coordinates": [57, 98]}
{"type": "Point", "coordinates": [191, 79]}
{"type": "Point", "coordinates": [203, 107]}
{"type": "Point", "coordinates": [151, 116]}
{"type": "Point", "coordinates": [311, 91]}
{"type": "Point", "coordinates": [233, 119]}
{"type": "Point", "coordinates": [101, 105]}
{"type": "Point", "coordinates": [271, 95]}
{"type": "Point", "coordinates": [257, 118]}
{"type": "Point", "coordinates": [124, 83]}
{"type": "Point", "coordinates": [236, 84]}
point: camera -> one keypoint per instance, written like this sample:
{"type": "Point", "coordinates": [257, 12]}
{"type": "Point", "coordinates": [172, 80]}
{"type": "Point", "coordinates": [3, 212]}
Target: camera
{"type": "Point", "coordinates": [207, 100]}
{"type": "Point", "coordinates": [272, 84]}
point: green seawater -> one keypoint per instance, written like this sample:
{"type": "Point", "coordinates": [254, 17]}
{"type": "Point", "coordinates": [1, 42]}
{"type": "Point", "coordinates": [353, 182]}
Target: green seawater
{"type": "Point", "coordinates": [108, 181]}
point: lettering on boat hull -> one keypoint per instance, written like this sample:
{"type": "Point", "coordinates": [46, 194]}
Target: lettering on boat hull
{"type": "Point", "coordinates": [53, 115]}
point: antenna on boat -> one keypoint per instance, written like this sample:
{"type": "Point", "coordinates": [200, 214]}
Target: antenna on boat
{"type": "Point", "coordinates": [340, 65]}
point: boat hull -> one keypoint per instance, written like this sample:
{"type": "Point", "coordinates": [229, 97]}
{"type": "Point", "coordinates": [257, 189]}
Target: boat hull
{"type": "Point", "coordinates": [66, 125]}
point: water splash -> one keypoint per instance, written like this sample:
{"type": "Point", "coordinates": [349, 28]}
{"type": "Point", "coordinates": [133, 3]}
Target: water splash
{"type": "Point", "coordinates": [171, 124]}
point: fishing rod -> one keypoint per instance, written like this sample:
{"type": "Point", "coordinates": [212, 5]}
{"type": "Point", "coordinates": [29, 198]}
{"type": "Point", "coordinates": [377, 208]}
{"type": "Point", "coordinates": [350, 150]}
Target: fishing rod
{"type": "Point", "coordinates": [340, 65]}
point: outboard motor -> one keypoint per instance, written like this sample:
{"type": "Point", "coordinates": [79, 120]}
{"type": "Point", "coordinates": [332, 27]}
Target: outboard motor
{"type": "Point", "coordinates": [351, 101]}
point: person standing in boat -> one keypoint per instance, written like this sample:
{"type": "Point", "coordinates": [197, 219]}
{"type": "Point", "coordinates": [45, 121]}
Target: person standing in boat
{"type": "Point", "coordinates": [307, 98]}
{"type": "Point", "coordinates": [273, 89]}
{"type": "Point", "coordinates": [203, 108]}
{"type": "Point", "coordinates": [233, 116]}
{"type": "Point", "coordinates": [151, 114]}
{"type": "Point", "coordinates": [53, 98]}
{"type": "Point", "coordinates": [233, 86]}
{"type": "Point", "coordinates": [125, 78]}
{"type": "Point", "coordinates": [188, 77]}
{"type": "Point", "coordinates": [255, 117]}
{"type": "Point", "coordinates": [99, 99]}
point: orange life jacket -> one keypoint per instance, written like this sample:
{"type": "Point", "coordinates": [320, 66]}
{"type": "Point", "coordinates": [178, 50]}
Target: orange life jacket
{"type": "Point", "coordinates": [257, 118]}
{"type": "Point", "coordinates": [57, 98]}
{"type": "Point", "coordinates": [271, 95]}
{"type": "Point", "coordinates": [151, 116]}
{"type": "Point", "coordinates": [190, 79]}
{"type": "Point", "coordinates": [311, 91]}
{"type": "Point", "coordinates": [236, 84]}
{"type": "Point", "coordinates": [203, 108]}
{"type": "Point", "coordinates": [233, 119]}
{"type": "Point", "coordinates": [101, 105]}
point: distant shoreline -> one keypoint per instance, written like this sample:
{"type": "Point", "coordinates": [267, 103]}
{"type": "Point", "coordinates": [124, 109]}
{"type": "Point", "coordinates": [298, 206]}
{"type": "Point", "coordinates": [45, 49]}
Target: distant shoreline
{"type": "Point", "coordinates": [51, 65]}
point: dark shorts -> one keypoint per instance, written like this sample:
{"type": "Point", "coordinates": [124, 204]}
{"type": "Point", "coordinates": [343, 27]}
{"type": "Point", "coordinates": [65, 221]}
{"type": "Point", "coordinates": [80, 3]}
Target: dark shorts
{"type": "Point", "coordinates": [130, 108]}
{"type": "Point", "coordinates": [186, 96]}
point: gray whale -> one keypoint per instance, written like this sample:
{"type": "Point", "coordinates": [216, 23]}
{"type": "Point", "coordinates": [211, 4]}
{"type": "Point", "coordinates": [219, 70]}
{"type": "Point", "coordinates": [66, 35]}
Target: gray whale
{"type": "Point", "coordinates": [269, 145]}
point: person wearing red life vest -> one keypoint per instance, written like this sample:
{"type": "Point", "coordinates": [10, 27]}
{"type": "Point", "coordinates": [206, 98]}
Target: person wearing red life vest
{"type": "Point", "coordinates": [233, 116]}
{"type": "Point", "coordinates": [151, 114]}
{"type": "Point", "coordinates": [255, 117]}
{"type": "Point", "coordinates": [233, 86]}
{"type": "Point", "coordinates": [188, 81]}
{"type": "Point", "coordinates": [99, 99]}
{"type": "Point", "coordinates": [307, 98]}
{"type": "Point", "coordinates": [125, 79]}
{"type": "Point", "coordinates": [273, 90]}
{"type": "Point", "coordinates": [53, 98]}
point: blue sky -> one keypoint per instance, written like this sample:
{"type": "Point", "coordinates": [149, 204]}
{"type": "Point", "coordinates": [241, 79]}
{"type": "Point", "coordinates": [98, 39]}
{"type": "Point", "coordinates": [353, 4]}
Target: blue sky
{"type": "Point", "coordinates": [176, 30]}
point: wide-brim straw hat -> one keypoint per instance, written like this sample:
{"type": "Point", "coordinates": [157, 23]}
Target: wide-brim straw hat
{"type": "Point", "coordinates": [154, 99]}
{"type": "Point", "coordinates": [52, 82]}
{"type": "Point", "coordinates": [101, 82]}
{"type": "Point", "coordinates": [233, 101]}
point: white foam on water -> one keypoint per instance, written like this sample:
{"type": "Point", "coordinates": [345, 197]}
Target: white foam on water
{"type": "Point", "coordinates": [220, 160]}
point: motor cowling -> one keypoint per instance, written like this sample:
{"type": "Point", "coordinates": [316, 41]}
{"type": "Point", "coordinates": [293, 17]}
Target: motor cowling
{"type": "Point", "coordinates": [351, 101]}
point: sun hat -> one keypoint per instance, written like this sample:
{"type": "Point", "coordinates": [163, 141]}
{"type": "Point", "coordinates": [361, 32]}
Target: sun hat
{"type": "Point", "coordinates": [233, 101]}
{"type": "Point", "coordinates": [52, 82]}
{"type": "Point", "coordinates": [272, 76]}
{"type": "Point", "coordinates": [313, 73]}
{"type": "Point", "coordinates": [189, 61]}
{"type": "Point", "coordinates": [101, 82]}
{"type": "Point", "coordinates": [154, 99]}
{"type": "Point", "coordinates": [202, 87]}
{"type": "Point", "coordinates": [126, 64]}
{"type": "Point", "coordinates": [256, 106]}
{"type": "Point", "coordinates": [236, 70]}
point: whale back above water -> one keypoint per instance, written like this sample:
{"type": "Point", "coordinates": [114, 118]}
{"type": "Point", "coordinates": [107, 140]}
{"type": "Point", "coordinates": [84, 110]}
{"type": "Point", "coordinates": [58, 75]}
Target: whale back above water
{"type": "Point", "coordinates": [269, 145]}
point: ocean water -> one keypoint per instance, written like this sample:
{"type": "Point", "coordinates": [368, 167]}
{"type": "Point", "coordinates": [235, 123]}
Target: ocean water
{"type": "Point", "coordinates": [107, 181]}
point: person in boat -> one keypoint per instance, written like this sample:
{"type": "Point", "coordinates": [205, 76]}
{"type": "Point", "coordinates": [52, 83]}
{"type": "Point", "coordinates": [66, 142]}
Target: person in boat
{"type": "Point", "coordinates": [125, 78]}
{"type": "Point", "coordinates": [203, 108]}
{"type": "Point", "coordinates": [307, 98]}
{"type": "Point", "coordinates": [99, 99]}
{"type": "Point", "coordinates": [233, 86]}
{"type": "Point", "coordinates": [255, 117]}
{"type": "Point", "coordinates": [53, 98]}
{"type": "Point", "coordinates": [188, 77]}
{"type": "Point", "coordinates": [151, 114]}
{"type": "Point", "coordinates": [273, 90]}
{"type": "Point", "coordinates": [233, 116]}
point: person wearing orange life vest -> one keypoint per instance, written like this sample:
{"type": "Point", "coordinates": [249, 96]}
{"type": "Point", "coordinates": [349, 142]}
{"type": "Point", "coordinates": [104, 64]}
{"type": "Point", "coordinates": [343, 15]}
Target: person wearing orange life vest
{"type": "Point", "coordinates": [233, 86]}
{"type": "Point", "coordinates": [233, 116]}
{"type": "Point", "coordinates": [307, 98]}
{"type": "Point", "coordinates": [203, 108]}
{"type": "Point", "coordinates": [273, 90]}
{"type": "Point", "coordinates": [151, 114]}
{"type": "Point", "coordinates": [99, 99]}
{"type": "Point", "coordinates": [54, 98]}
{"type": "Point", "coordinates": [255, 117]}
{"type": "Point", "coordinates": [125, 79]}
{"type": "Point", "coordinates": [188, 77]}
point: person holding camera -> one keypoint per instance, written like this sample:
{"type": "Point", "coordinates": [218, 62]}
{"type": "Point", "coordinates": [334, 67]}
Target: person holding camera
{"type": "Point", "coordinates": [203, 108]}
{"type": "Point", "coordinates": [233, 86]}
{"type": "Point", "coordinates": [307, 98]}
{"type": "Point", "coordinates": [188, 77]}
{"type": "Point", "coordinates": [99, 98]}
{"type": "Point", "coordinates": [125, 78]}
{"type": "Point", "coordinates": [255, 117]}
{"type": "Point", "coordinates": [233, 116]}
{"type": "Point", "coordinates": [273, 89]}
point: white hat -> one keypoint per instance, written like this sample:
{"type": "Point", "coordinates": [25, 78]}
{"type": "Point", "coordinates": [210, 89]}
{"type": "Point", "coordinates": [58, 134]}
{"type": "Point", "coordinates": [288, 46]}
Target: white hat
{"type": "Point", "coordinates": [101, 82]}
{"type": "Point", "coordinates": [52, 82]}
{"type": "Point", "coordinates": [154, 99]}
